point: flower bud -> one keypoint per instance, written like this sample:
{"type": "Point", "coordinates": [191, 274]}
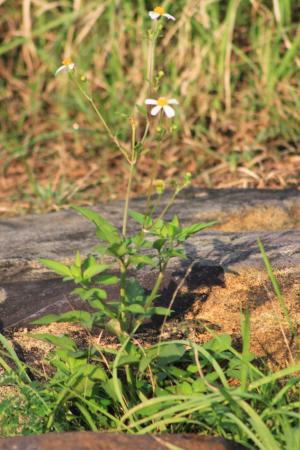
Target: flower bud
{"type": "Point", "coordinates": [160, 186]}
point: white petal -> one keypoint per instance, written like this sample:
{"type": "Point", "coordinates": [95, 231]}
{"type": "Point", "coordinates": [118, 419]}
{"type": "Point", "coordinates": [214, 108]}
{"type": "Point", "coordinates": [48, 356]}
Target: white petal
{"type": "Point", "coordinates": [71, 67]}
{"type": "Point", "coordinates": [155, 110]}
{"type": "Point", "coordinates": [169, 111]}
{"type": "Point", "coordinates": [150, 101]}
{"type": "Point", "coordinates": [154, 15]}
{"type": "Point", "coordinates": [168, 16]}
{"type": "Point", "coordinates": [173, 101]}
{"type": "Point", "coordinates": [61, 69]}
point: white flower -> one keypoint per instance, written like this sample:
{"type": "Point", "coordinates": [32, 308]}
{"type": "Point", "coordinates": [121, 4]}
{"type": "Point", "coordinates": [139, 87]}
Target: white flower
{"type": "Point", "coordinates": [67, 66]}
{"type": "Point", "coordinates": [158, 12]}
{"type": "Point", "coordinates": [162, 104]}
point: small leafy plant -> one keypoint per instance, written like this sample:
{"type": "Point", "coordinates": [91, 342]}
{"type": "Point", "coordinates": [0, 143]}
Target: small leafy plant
{"type": "Point", "coordinates": [156, 240]}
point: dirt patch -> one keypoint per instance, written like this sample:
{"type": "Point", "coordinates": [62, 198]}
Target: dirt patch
{"type": "Point", "coordinates": [271, 334]}
{"type": "Point", "coordinates": [261, 219]}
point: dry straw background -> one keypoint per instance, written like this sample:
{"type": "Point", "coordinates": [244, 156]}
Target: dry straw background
{"type": "Point", "coordinates": [233, 65]}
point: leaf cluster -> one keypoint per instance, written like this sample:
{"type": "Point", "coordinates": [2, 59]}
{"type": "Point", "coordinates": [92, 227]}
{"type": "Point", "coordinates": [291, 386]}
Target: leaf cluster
{"type": "Point", "coordinates": [153, 246]}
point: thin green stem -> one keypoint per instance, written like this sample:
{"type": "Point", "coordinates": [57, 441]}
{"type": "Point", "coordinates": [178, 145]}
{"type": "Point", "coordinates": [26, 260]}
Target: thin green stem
{"type": "Point", "coordinates": [102, 120]}
{"type": "Point", "coordinates": [156, 287]}
{"type": "Point", "coordinates": [123, 272]}
{"type": "Point", "coordinates": [153, 177]}
{"type": "Point", "coordinates": [168, 205]}
{"type": "Point", "coordinates": [126, 206]}
{"type": "Point", "coordinates": [151, 56]}
{"type": "Point", "coordinates": [155, 204]}
{"type": "Point", "coordinates": [146, 131]}
{"type": "Point", "coordinates": [131, 173]}
{"type": "Point", "coordinates": [153, 35]}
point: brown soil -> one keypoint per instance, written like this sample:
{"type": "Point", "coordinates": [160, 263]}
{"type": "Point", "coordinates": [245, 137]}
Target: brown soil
{"type": "Point", "coordinates": [261, 219]}
{"type": "Point", "coordinates": [271, 334]}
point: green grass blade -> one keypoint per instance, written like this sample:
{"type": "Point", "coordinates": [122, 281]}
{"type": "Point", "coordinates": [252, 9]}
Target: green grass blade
{"type": "Point", "coordinates": [275, 285]}
{"type": "Point", "coordinates": [14, 357]}
{"type": "Point", "coordinates": [246, 350]}
{"type": "Point", "coordinates": [274, 376]}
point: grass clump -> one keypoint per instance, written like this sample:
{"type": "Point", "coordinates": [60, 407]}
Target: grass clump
{"type": "Point", "coordinates": [175, 386]}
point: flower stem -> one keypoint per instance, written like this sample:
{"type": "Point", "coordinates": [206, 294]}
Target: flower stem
{"type": "Point", "coordinates": [131, 173]}
{"type": "Point", "coordinates": [168, 206]}
{"type": "Point", "coordinates": [151, 56]}
{"type": "Point", "coordinates": [102, 120]}
{"type": "Point", "coordinates": [126, 206]}
{"type": "Point", "coordinates": [153, 35]}
{"type": "Point", "coordinates": [155, 289]}
{"type": "Point", "coordinates": [153, 174]}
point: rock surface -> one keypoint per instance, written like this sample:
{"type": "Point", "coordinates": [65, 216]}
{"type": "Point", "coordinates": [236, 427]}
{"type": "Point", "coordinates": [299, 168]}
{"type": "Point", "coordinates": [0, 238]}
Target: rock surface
{"type": "Point", "coordinates": [113, 441]}
{"type": "Point", "coordinates": [227, 276]}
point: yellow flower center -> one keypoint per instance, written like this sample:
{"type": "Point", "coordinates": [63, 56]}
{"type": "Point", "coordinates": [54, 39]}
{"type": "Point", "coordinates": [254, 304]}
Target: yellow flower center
{"type": "Point", "coordinates": [159, 10]}
{"type": "Point", "coordinates": [66, 61]}
{"type": "Point", "coordinates": [162, 101]}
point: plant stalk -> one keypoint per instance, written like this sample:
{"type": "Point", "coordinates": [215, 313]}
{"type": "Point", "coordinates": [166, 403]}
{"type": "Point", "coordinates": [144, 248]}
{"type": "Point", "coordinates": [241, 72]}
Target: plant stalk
{"type": "Point", "coordinates": [131, 173]}
{"type": "Point", "coordinates": [102, 120]}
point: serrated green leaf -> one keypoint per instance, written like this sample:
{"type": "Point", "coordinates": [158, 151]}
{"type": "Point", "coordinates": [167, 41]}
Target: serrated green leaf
{"type": "Point", "coordinates": [57, 267]}
{"type": "Point", "coordinates": [138, 240]}
{"type": "Point", "coordinates": [174, 253]}
{"type": "Point", "coordinates": [184, 388]}
{"type": "Point", "coordinates": [118, 249]}
{"type": "Point", "coordinates": [105, 230]}
{"type": "Point", "coordinates": [76, 272]}
{"type": "Point", "coordinates": [93, 270]}
{"type": "Point", "coordinates": [86, 294]}
{"type": "Point", "coordinates": [107, 279]}
{"type": "Point", "coordinates": [159, 243]}
{"type": "Point", "coordinates": [109, 388]}
{"type": "Point", "coordinates": [142, 259]}
{"type": "Point", "coordinates": [199, 386]}
{"type": "Point", "coordinates": [170, 353]}
{"type": "Point", "coordinates": [93, 372]}
{"type": "Point", "coordinates": [135, 308]}
{"type": "Point", "coordinates": [134, 291]}
{"type": "Point", "coordinates": [138, 217]}
{"type": "Point", "coordinates": [76, 316]}
{"type": "Point", "coordinates": [219, 343]}
{"type": "Point", "coordinates": [186, 232]}
{"type": "Point", "coordinates": [175, 221]}
{"type": "Point", "coordinates": [101, 249]}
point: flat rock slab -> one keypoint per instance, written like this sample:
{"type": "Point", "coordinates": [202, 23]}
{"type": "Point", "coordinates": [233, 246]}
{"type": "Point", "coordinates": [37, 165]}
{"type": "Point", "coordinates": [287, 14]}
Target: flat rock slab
{"type": "Point", "coordinates": [227, 275]}
{"type": "Point", "coordinates": [113, 441]}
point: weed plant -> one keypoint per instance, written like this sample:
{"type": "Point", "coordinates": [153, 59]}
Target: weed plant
{"type": "Point", "coordinates": [176, 385]}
